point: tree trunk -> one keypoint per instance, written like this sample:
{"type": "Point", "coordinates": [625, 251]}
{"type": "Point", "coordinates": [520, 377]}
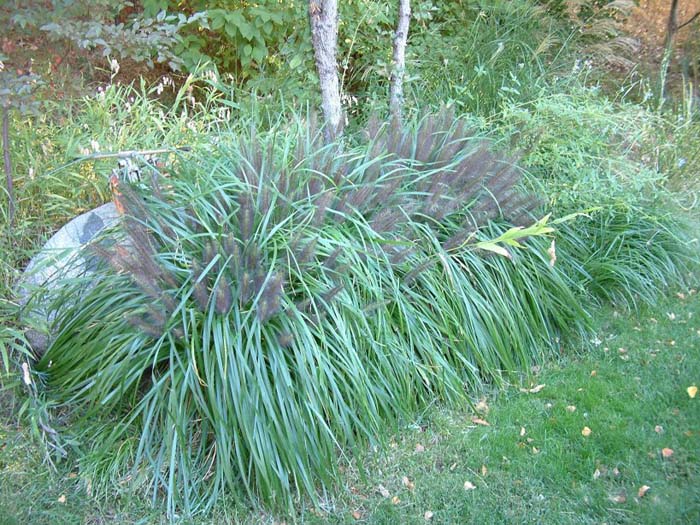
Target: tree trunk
{"type": "Point", "coordinates": [8, 163]}
{"type": "Point", "coordinates": [399, 60]}
{"type": "Point", "coordinates": [671, 30]}
{"type": "Point", "coordinates": [323, 17]}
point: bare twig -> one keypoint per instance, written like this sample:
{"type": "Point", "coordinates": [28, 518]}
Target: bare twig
{"type": "Point", "coordinates": [129, 153]}
{"type": "Point", "coordinates": [690, 21]}
{"type": "Point", "coordinates": [8, 163]}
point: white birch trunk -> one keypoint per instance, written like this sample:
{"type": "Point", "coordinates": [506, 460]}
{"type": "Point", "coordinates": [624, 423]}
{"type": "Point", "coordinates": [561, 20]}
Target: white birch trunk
{"type": "Point", "coordinates": [323, 17]}
{"type": "Point", "coordinates": [399, 60]}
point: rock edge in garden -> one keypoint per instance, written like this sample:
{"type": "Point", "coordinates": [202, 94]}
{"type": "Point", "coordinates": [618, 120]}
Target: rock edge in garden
{"type": "Point", "coordinates": [61, 258]}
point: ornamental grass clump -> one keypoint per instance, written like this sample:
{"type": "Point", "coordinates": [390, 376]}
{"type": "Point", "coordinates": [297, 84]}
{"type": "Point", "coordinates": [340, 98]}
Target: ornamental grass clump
{"type": "Point", "coordinates": [272, 305]}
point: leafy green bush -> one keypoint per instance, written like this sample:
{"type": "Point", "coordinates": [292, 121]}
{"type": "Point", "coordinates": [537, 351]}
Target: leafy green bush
{"type": "Point", "coordinates": [274, 302]}
{"type": "Point", "coordinates": [586, 152]}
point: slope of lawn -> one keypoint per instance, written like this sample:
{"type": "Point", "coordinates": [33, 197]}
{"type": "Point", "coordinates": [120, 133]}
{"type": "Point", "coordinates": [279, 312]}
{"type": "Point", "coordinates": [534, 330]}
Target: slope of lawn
{"type": "Point", "coordinates": [523, 458]}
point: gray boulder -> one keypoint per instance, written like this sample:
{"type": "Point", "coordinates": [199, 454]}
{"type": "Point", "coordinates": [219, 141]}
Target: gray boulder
{"type": "Point", "coordinates": [62, 257]}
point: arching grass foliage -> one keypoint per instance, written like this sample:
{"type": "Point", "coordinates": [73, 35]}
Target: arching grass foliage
{"type": "Point", "coordinates": [274, 303]}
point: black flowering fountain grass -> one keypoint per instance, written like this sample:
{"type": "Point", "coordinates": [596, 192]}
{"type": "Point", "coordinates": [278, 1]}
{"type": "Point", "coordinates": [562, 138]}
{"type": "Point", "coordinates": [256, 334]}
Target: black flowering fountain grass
{"type": "Point", "coordinates": [271, 305]}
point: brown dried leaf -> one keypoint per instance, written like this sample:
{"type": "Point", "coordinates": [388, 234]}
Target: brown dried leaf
{"type": "Point", "coordinates": [395, 500]}
{"type": "Point", "coordinates": [571, 409]}
{"type": "Point", "coordinates": [484, 470]}
{"type": "Point", "coordinates": [667, 452]}
{"type": "Point", "coordinates": [479, 421]}
{"type": "Point", "coordinates": [643, 490]}
{"type": "Point", "coordinates": [659, 429]}
{"type": "Point", "coordinates": [419, 448]}
{"type": "Point", "coordinates": [62, 498]}
{"type": "Point", "coordinates": [407, 483]}
{"type": "Point", "coordinates": [356, 514]}
{"type": "Point", "coordinates": [586, 432]}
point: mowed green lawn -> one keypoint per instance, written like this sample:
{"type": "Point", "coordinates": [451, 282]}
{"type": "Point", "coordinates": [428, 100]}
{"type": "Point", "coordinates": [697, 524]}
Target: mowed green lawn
{"type": "Point", "coordinates": [609, 433]}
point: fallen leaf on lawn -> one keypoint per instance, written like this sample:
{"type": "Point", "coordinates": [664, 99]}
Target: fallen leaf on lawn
{"type": "Point", "coordinates": [535, 450]}
{"type": "Point", "coordinates": [659, 429]}
{"type": "Point", "coordinates": [622, 350]}
{"type": "Point", "coordinates": [395, 500]}
{"type": "Point", "coordinates": [571, 408]}
{"type": "Point", "coordinates": [692, 391]}
{"type": "Point", "coordinates": [62, 498]}
{"type": "Point", "coordinates": [522, 431]}
{"type": "Point", "coordinates": [72, 475]}
{"type": "Point", "coordinates": [383, 491]}
{"type": "Point", "coordinates": [616, 472]}
{"type": "Point", "coordinates": [356, 514]}
{"type": "Point", "coordinates": [532, 390]}
{"type": "Point", "coordinates": [419, 448]}
{"type": "Point", "coordinates": [586, 432]}
{"type": "Point", "coordinates": [552, 252]}
{"type": "Point", "coordinates": [667, 452]}
{"type": "Point", "coordinates": [596, 474]}
{"type": "Point", "coordinates": [453, 466]}
{"type": "Point", "coordinates": [643, 490]}
{"type": "Point", "coordinates": [484, 470]}
{"type": "Point", "coordinates": [618, 498]}
{"type": "Point", "coordinates": [468, 485]}
{"type": "Point", "coordinates": [428, 515]}
{"type": "Point", "coordinates": [593, 373]}
{"type": "Point", "coordinates": [482, 407]}
{"type": "Point", "coordinates": [479, 421]}
{"type": "Point", "coordinates": [407, 483]}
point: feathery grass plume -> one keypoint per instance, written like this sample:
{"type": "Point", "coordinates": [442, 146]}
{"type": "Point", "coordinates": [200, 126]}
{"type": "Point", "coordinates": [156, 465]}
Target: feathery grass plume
{"type": "Point", "coordinates": [149, 327]}
{"type": "Point", "coordinates": [200, 292]}
{"type": "Point", "coordinates": [270, 300]}
{"type": "Point", "coordinates": [223, 297]}
{"type": "Point", "coordinates": [331, 261]}
{"type": "Point", "coordinates": [232, 252]}
{"type": "Point", "coordinates": [321, 204]}
{"type": "Point", "coordinates": [246, 216]}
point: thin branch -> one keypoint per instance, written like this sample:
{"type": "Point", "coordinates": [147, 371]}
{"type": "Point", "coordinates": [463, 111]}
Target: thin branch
{"type": "Point", "coordinates": [130, 153]}
{"type": "Point", "coordinates": [8, 163]}
{"type": "Point", "coordinates": [692, 19]}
